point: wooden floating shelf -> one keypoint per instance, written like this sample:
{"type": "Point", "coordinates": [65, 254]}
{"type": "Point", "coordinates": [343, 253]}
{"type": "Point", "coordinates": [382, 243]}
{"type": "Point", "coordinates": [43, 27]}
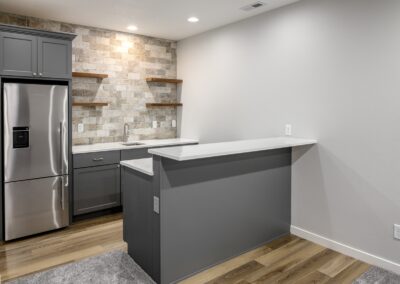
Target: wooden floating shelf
{"type": "Point", "coordinates": [164, 80]}
{"type": "Point", "coordinates": [89, 75]}
{"type": "Point", "coordinates": [90, 104]}
{"type": "Point", "coordinates": [163, 104]}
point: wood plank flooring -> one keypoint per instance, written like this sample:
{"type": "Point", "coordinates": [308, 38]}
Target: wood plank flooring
{"type": "Point", "coordinates": [81, 240]}
{"type": "Point", "coordinates": [285, 260]}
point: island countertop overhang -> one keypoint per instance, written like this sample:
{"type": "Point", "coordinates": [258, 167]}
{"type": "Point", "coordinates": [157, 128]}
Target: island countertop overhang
{"type": "Point", "coordinates": [201, 151]}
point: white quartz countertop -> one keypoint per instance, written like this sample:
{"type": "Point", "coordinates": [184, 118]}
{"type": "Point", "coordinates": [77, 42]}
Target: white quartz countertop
{"type": "Point", "coordinates": [99, 147]}
{"type": "Point", "coordinates": [191, 152]}
{"type": "Point", "coordinates": [142, 165]}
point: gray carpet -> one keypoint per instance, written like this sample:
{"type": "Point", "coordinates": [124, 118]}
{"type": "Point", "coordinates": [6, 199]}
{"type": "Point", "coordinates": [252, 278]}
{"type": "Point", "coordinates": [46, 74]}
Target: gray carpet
{"type": "Point", "coordinates": [113, 267]}
{"type": "Point", "coordinates": [376, 275]}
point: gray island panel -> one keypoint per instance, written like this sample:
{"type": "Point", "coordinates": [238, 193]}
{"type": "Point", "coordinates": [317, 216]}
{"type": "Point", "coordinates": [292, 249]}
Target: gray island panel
{"type": "Point", "coordinates": [141, 224]}
{"type": "Point", "coordinates": [216, 208]}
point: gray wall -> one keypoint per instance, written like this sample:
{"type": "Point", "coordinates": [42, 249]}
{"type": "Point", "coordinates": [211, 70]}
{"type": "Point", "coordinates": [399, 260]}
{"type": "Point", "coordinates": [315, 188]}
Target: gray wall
{"type": "Point", "coordinates": [332, 69]}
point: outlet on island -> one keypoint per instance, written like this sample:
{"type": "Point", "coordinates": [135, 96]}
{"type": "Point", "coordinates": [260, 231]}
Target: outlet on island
{"type": "Point", "coordinates": [154, 124]}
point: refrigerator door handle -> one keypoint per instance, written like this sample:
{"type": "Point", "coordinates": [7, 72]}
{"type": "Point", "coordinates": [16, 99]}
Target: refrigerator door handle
{"type": "Point", "coordinates": [61, 149]}
{"type": "Point", "coordinates": [63, 187]}
{"type": "Point", "coordinates": [61, 192]}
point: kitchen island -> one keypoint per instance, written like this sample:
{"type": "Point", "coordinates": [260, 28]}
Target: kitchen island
{"type": "Point", "coordinates": [191, 207]}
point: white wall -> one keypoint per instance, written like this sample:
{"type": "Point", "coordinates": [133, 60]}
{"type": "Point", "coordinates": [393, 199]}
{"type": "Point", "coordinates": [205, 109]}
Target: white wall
{"type": "Point", "coordinates": [331, 68]}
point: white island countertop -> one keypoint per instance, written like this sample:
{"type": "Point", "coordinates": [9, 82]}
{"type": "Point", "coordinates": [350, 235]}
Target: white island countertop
{"type": "Point", "coordinates": [192, 152]}
{"type": "Point", "coordinates": [142, 165]}
{"type": "Point", "coordinates": [99, 147]}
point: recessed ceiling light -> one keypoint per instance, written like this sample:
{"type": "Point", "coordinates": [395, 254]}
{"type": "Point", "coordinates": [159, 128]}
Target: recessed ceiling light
{"type": "Point", "coordinates": [132, 28]}
{"type": "Point", "coordinates": [193, 20]}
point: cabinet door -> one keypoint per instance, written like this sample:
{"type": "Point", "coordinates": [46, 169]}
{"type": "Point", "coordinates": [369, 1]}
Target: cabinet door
{"type": "Point", "coordinates": [54, 58]}
{"type": "Point", "coordinates": [96, 188]}
{"type": "Point", "coordinates": [18, 54]}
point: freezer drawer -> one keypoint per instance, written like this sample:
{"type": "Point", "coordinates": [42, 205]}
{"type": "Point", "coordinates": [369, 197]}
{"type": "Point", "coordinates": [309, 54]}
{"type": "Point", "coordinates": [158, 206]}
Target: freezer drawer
{"type": "Point", "coordinates": [35, 206]}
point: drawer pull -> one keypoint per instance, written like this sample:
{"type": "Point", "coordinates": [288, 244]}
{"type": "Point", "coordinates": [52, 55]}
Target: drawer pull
{"type": "Point", "coordinates": [98, 159]}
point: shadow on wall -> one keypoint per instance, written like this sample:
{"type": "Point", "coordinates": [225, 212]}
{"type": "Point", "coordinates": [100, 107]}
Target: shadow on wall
{"type": "Point", "coordinates": [326, 188]}
{"type": "Point", "coordinates": [307, 175]}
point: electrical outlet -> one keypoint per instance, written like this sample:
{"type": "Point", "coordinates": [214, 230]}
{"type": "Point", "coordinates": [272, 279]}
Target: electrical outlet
{"type": "Point", "coordinates": [154, 124]}
{"type": "Point", "coordinates": [288, 130]}
{"type": "Point", "coordinates": [396, 231]}
{"type": "Point", "coordinates": [174, 123]}
{"type": "Point", "coordinates": [81, 127]}
{"type": "Point", "coordinates": [156, 204]}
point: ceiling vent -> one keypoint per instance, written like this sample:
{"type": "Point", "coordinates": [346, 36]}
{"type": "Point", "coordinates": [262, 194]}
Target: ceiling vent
{"type": "Point", "coordinates": [253, 6]}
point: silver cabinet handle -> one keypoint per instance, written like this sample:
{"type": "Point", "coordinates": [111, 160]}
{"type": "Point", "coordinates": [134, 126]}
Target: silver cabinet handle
{"type": "Point", "coordinates": [97, 159]}
{"type": "Point", "coordinates": [40, 74]}
{"type": "Point", "coordinates": [34, 73]}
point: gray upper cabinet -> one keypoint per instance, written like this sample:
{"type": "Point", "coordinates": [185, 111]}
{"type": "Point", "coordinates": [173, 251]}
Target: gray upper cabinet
{"type": "Point", "coordinates": [18, 54]}
{"type": "Point", "coordinates": [33, 53]}
{"type": "Point", "coordinates": [54, 58]}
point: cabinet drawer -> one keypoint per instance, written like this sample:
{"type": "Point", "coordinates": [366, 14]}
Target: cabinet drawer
{"type": "Point", "coordinates": [96, 159]}
{"type": "Point", "coordinates": [135, 154]}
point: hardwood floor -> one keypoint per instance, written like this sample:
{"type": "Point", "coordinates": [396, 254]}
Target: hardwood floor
{"type": "Point", "coordinates": [81, 240]}
{"type": "Point", "coordinates": [286, 260]}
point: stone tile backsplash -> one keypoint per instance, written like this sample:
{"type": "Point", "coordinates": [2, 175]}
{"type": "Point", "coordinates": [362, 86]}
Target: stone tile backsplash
{"type": "Point", "coordinates": [127, 59]}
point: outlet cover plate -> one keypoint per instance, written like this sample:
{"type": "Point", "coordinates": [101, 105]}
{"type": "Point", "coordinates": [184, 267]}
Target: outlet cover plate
{"type": "Point", "coordinates": [156, 204]}
{"type": "Point", "coordinates": [288, 130]}
{"type": "Point", "coordinates": [396, 231]}
{"type": "Point", "coordinates": [81, 127]}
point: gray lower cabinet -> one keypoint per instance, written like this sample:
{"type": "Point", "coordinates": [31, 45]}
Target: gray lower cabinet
{"type": "Point", "coordinates": [34, 53]}
{"type": "Point", "coordinates": [96, 184]}
{"type": "Point", "coordinates": [96, 188]}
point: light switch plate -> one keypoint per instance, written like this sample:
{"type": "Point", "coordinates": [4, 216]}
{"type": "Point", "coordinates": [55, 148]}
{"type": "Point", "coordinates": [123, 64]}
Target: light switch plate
{"type": "Point", "coordinates": [174, 123]}
{"type": "Point", "coordinates": [396, 231]}
{"type": "Point", "coordinates": [154, 124]}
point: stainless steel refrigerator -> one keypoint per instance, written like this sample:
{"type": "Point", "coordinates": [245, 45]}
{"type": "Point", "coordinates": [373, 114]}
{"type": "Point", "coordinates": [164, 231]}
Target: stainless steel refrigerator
{"type": "Point", "coordinates": [35, 127]}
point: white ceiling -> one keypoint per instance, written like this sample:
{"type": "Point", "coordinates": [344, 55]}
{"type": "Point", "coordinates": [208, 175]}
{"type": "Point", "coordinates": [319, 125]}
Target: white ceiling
{"type": "Point", "coordinates": [158, 18]}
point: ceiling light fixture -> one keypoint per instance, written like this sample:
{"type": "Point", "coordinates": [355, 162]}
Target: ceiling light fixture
{"type": "Point", "coordinates": [193, 20]}
{"type": "Point", "coordinates": [132, 28]}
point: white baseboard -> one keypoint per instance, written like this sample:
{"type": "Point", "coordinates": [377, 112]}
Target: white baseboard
{"type": "Point", "coordinates": [347, 250]}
